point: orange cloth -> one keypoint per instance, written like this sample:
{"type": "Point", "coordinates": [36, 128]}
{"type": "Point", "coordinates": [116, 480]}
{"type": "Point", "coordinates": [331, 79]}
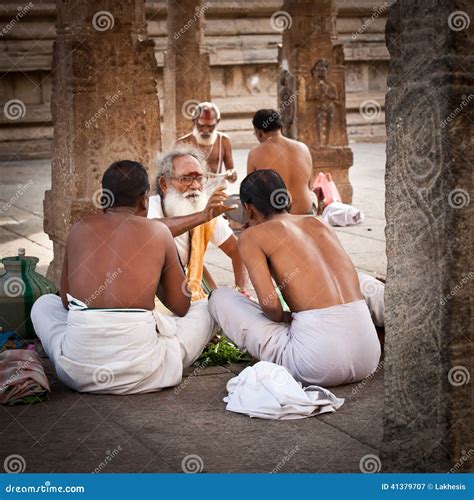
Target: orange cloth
{"type": "Point", "coordinates": [200, 237]}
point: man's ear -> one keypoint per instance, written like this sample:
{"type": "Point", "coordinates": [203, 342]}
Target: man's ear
{"type": "Point", "coordinates": [143, 203]}
{"type": "Point", "coordinates": [249, 211]}
{"type": "Point", "coordinates": [163, 185]}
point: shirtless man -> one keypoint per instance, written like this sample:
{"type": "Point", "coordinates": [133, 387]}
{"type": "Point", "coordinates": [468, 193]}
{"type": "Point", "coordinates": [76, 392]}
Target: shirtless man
{"type": "Point", "coordinates": [290, 158]}
{"type": "Point", "coordinates": [103, 334]}
{"type": "Point", "coordinates": [215, 146]}
{"type": "Point", "coordinates": [327, 338]}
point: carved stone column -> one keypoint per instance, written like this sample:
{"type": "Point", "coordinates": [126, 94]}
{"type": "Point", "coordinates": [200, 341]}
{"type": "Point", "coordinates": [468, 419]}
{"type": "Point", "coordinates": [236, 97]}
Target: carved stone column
{"type": "Point", "coordinates": [104, 106]}
{"type": "Point", "coordinates": [428, 349]}
{"type": "Point", "coordinates": [186, 73]}
{"type": "Point", "coordinates": [315, 62]}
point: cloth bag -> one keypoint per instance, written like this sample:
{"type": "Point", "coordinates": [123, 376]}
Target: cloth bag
{"type": "Point", "coordinates": [22, 378]}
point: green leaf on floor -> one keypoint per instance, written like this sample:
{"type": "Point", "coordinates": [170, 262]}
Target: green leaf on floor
{"type": "Point", "coordinates": [221, 351]}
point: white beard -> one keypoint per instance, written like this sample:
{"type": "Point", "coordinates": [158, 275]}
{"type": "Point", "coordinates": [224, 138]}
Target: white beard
{"type": "Point", "coordinates": [177, 204]}
{"type": "Point", "coordinates": [202, 141]}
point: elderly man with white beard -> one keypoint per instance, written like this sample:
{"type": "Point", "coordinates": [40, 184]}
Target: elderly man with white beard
{"type": "Point", "coordinates": [193, 218]}
{"type": "Point", "coordinates": [215, 146]}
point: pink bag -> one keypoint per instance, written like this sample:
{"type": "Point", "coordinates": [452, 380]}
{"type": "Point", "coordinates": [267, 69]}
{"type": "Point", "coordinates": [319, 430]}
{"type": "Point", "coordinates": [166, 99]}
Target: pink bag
{"type": "Point", "coordinates": [325, 189]}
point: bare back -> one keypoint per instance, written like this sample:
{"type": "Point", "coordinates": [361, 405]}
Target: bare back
{"type": "Point", "coordinates": [306, 260]}
{"type": "Point", "coordinates": [292, 160]}
{"type": "Point", "coordinates": [118, 261]}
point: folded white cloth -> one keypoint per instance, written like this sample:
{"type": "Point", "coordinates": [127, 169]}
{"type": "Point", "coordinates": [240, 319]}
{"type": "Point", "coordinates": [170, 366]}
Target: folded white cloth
{"type": "Point", "coordinates": [340, 214]}
{"type": "Point", "coordinates": [267, 390]}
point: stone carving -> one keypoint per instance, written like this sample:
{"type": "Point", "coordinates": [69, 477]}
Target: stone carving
{"type": "Point", "coordinates": [324, 95]}
{"type": "Point", "coordinates": [286, 100]}
{"type": "Point", "coordinates": [316, 61]}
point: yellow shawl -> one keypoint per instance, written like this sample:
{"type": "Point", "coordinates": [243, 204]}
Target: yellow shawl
{"type": "Point", "coordinates": [199, 237]}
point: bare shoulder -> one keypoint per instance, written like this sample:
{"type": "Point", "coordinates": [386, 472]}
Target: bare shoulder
{"type": "Point", "coordinates": [310, 222]}
{"type": "Point", "coordinates": [155, 226]}
{"type": "Point", "coordinates": [249, 238]}
{"type": "Point", "coordinates": [225, 138]}
{"type": "Point", "coordinates": [256, 152]}
{"type": "Point", "coordinates": [85, 224]}
{"type": "Point", "coordinates": [300, 145]}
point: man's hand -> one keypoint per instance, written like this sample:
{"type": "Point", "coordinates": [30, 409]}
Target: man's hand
{"type": "Point", "coordinates": [231, 175]}
{"type": "Point", "coordinates": [215, 206]}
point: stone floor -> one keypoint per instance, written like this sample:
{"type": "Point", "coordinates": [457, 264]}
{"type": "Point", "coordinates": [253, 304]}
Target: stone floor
{"type": "Point", "coordinates": [171, 430]}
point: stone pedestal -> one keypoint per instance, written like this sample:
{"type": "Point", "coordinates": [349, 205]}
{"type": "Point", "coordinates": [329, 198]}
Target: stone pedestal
{"type": "Point", "coordinates": [312, 62]}
{"type": "Point", "coordinates": [428, 349]}
{"type": "Point", "coordinates": [104, 107]}
{"type": "Point", "coordinates": [187, 78]}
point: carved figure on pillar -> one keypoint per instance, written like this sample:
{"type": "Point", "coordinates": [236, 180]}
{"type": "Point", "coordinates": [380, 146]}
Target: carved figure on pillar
{"type": "Point", "coordinates": [325, 97]}
{"type": "Point", "coordinates": [286, 100]}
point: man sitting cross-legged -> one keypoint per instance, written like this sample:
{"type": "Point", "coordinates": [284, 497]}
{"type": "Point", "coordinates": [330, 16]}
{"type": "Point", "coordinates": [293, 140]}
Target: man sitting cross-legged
{"type": "Point", "coordinates": [103, 334]}
{"type": "Point", "coordinates": [193, 218]}
{"type": "Point", "coordinates": [328, 338]}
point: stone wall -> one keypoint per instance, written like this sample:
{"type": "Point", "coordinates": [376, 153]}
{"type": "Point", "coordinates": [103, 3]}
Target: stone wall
{"type": "Point", "coordinates": [242, 39]}
{"type": "Point", "coordinates": [428, 348]}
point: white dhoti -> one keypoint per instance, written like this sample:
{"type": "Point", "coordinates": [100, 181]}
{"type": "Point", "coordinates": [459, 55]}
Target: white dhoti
{"type": "Point", "coordinates": [330, 346]}
{"type": "Point", "coordinates": [119, 351]}
{"type": "Point", "coordinates": [373, 291]}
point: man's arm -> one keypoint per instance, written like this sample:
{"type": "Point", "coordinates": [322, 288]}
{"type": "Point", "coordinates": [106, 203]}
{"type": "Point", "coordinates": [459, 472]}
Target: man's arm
{"type": "Point", "coordinates": [64, 286]}
{"type": "Point", "coordinates": [251, 166]}
{"type": "Point", "coordinates": [215, 207]}
{"type": "Point", "coordinates": [256, 262]}
{"type": "Point", "coordinates": [172, 290]}
{"type": "Point", "coordinates": [228, 160]}
{"type": "Point", "coordinates": [231, 249]}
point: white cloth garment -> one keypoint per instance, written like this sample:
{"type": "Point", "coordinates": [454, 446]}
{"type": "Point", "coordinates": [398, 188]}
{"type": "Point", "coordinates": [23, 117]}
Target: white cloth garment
{"type": "Point", "coordinates": [267, 390]}
{"type": "Point", "coordinates": [222, 232]}
{"type": "Point", "coordinates": [119, 351]}
{"type": "Point", "coordinates": [340, 214]}
{"type": "Point", "coordinates": [373, 291]}
{"type": "Point", "coordinates": [327, 347]}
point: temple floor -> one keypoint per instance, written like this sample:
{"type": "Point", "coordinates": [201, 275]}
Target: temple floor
{"type": "Point", "coordinates": [159, 432]}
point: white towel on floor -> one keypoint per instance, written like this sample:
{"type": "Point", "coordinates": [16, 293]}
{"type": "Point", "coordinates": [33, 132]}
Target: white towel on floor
{"type": "Point", "coordinates": [267, 390]}
{"type": "Point", "coordinates": [340, 214]}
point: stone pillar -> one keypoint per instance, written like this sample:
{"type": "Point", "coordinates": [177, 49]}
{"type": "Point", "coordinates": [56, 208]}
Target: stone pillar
{"type": "Point", "coordinates": [428, 348]}
{"type": "Point", "coordinates": [315, 63]}
{"type": "Point", "coordinates": [104, 106]}
{"type": "Point", "coordinates": [186, 73]}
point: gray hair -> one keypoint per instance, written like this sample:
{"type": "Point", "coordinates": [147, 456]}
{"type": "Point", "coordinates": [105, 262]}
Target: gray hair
{"type": "Point", "coordinates": [165, 161]}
